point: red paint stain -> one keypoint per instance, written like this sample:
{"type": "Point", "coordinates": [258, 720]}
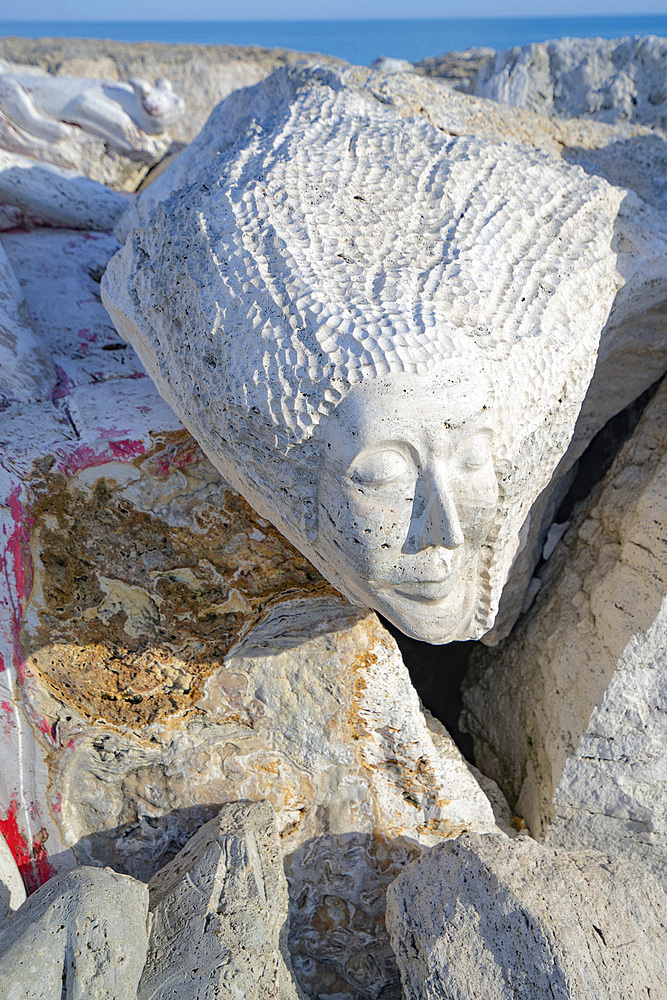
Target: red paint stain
{"type": "Point", "coordinates": [35, 869]}
{"type": "Point", "coordinates": [2, 663]}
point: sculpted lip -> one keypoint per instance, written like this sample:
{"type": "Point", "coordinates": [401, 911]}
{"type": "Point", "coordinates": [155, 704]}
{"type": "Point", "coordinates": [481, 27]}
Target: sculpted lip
{"type": "Point", "coordinates": [427, 591]}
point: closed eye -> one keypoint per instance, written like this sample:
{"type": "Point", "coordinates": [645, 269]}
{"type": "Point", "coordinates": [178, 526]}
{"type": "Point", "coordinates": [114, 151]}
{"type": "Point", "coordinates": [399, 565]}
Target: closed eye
{"type": "Point", "coordinates": [475, 451]}
{"type": "Point", "coordinates": [380, 467]}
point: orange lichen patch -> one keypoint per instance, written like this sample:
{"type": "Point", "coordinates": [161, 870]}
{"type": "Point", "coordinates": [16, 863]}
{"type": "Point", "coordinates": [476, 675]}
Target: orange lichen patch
{"type": "Point", "coordinates": [145, 575]}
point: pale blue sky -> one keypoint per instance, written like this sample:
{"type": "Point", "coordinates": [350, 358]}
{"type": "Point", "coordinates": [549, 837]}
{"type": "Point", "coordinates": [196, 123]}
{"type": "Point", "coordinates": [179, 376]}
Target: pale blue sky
{"type": "Point", "coordinates": [233, 10]}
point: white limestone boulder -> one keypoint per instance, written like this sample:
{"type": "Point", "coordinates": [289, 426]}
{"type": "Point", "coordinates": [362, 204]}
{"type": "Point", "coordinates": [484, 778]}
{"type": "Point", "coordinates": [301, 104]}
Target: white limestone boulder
{"type": "Point", "coordinates": [568, 714]}
{"type": "Point", "coordinates": [12, 889]}
{"type": "Point", "coordinates": [83, 934]}
{"type": "Point", "coordinates": [612, 80]}
{"type": "Point", "coordinates": [506, 919]}
{"type": "Point", "coordinates": [56, 196]}
{"type": "Point", "coordinates": [284, 305]}
{"type": "Point", "coordinates": [219, 914]}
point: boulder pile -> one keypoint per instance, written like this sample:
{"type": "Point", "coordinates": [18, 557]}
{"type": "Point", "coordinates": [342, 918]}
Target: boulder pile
{"type": "Point", "coordinates": [217, 777]}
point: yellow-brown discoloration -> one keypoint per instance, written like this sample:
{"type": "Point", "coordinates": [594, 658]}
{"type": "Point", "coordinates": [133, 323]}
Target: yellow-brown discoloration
{"type": "Point", "coordinates": [144, 581]}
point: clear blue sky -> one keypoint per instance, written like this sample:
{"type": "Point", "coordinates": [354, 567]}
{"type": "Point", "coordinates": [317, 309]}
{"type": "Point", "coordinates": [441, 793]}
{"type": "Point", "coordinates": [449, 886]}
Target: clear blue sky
{"type": "Point", "coordinates": [232, 10]}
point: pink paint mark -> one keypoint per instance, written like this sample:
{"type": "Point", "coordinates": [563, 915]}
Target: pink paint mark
{"type": "Point", "coordinates": [35, 869]}
{"type": "Point", "coordinates": [127, 449]}
{"type": "Point", "coordinates": [2, 664]}
{"type": "Point", "coordinates": [57, 804]}
{"type": "Point", "coordinates": [64, 386]}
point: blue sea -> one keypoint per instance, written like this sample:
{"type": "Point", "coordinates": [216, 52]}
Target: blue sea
{"type": "Point", "coordinates": [358, 41]}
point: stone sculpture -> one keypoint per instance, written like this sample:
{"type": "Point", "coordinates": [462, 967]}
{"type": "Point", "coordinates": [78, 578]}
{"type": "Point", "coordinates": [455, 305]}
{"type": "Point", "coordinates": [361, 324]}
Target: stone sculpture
{"type": "Point", "coordinates": [35, 105]}
{"type": "Point", "coordinates": [109, 130]}
{"type": "Point", "coordinates": [384, 349]}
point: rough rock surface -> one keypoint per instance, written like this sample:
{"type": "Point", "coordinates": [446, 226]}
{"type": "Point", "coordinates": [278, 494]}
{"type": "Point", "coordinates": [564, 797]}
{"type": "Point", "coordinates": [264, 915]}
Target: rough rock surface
{"type": "Point", "coordinates": [511, 920]}
{"type": "Point", "coordinates": [201, 74]}
{"type": "Point", "coordinates": [569, 713]}
{"type": "Point", "coordinates": [56, 196]}
{"type": "Point", "coordinates": [319, 293]}
{"type": "Point", "coordinates": [83, 934]}
{"type": "Point", "coordinates": [219, 914]}
{"type": "Point", "coordinates": [12, 890]}
{"type": "Point", "coordinates": [612, 80]}
{"type": "Point", "coordinates": [166, 651]}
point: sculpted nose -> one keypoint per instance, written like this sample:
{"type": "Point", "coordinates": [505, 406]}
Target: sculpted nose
{"type": "Point", "coordinates": [439, 524]}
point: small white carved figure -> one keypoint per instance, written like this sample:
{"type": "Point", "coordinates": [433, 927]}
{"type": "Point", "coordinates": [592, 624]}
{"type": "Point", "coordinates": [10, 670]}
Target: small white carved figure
{"type": "Point", "coordinates": [380, 334]}
{"type": "Point", "coordinates": [38, 106]}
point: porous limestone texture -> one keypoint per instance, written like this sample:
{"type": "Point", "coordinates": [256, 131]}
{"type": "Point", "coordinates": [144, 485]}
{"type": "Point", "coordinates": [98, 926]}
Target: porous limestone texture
{"type": "Point", "coordinates": [83, 934]}
{"type": "Point", "coordinates": [56, 196]}
{"type": "Point", "coordinates": [484, 916]}
{"type": "Point", "coordinates": [612, 80]}
{"type": "Point", "coordinates": [344, 337]}
{"type": "Point", "coordinates": [569, 713]}
{"type": "Point", "coordinates": [12, 889]}
{"type": "Point", "coordinates": [219, 914]}
{"type": "Point", "coordinates": [202, 75]}
{"type": "Point", "coordinates": [167, 651]}
{"type": "Point", "coordinates": [112, 131]}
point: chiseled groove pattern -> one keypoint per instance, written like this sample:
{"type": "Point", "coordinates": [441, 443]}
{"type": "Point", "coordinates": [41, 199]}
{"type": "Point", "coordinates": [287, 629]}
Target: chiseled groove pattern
{"type": "Point", "coordinates": [454, 248]}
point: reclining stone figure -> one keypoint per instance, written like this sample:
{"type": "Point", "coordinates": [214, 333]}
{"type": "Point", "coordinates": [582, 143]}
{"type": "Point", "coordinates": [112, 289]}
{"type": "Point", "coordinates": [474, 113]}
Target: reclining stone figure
{"type": "Point", "coordinates": [381, 335]}
{"type": "Point", "coordinates": [37, 108]}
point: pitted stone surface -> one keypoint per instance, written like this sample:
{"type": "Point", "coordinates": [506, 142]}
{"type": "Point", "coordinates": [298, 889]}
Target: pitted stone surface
{"type": "Point", "coordinates": [568, 714]}
{"type": "Point", "coordinates": [219, 914]}
{"type": "Point", "coordinates": [511, 920]}
{"type": "Point", "coordinates": [83, 934]}
{"type": "Point", "coordinates": [295, 279]}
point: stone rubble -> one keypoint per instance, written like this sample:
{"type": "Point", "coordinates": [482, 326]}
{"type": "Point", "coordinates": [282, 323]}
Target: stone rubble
{"type": "Point", "coordinates": [83, 934]}
{"type": "Point", "coordinates": [569, 713]}
{"type": "Point", "coordinates": [484, 916]}
{"type": "Point", "coordinates": [219, 914]}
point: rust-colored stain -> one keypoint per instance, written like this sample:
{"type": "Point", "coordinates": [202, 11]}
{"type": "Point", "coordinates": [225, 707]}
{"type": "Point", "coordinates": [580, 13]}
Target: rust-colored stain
{"type": "Point", "coordinates": [141, 588]}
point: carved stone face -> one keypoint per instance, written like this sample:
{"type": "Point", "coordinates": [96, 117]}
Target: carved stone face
{"type": "Point", "coordinates": [406, 499]}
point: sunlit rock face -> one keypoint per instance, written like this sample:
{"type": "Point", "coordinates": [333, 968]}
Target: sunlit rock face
{"type": "Point", "coordinates": [380, 334]}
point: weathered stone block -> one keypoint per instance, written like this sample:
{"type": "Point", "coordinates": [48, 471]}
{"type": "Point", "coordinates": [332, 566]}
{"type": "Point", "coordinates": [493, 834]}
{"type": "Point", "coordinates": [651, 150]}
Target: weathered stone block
{"type": "Point", "coordinates": [484, 916]}
{"type": "Point", "coordinates": [82, 936]}
{"type": "Point", "coordinates": [219, 914]}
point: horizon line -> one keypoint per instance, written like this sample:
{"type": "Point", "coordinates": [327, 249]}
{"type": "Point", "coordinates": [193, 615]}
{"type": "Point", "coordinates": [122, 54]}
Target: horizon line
{"type": "Point", "coordinates": [325, 20]}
